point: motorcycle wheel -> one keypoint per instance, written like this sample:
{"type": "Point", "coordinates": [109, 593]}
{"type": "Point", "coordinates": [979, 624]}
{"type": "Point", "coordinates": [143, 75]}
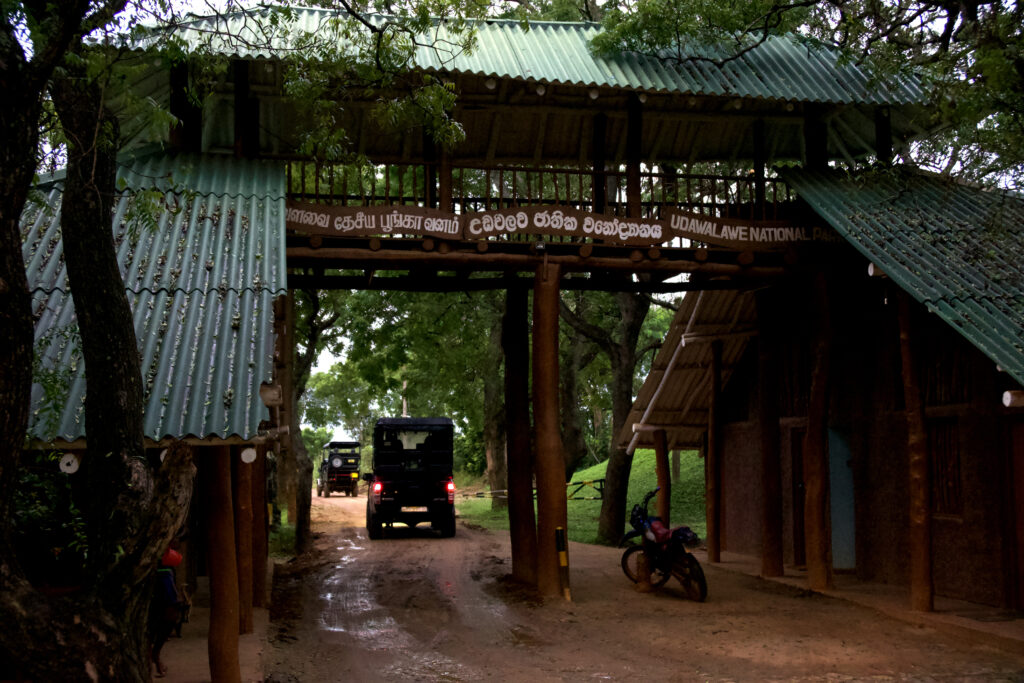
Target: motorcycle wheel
{"type": "Point", "coordinates": [691, 575]}
{"type": "Point", "coordinates": [631, 561]}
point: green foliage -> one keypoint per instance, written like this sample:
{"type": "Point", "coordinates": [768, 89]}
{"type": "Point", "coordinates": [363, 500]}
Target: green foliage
{"type": "Point", "coordinates": [55, 381]}
{"type": "Point", "coordinates": [967, 56]}
{"type": "Point", "coordinates": [469, 454]}
{"type": "Point", "coordinates": [687, 503]}
{"type": "Point", "coordinates": [47, 528]}
{"type": "Point", "coordinates": [314, 440]}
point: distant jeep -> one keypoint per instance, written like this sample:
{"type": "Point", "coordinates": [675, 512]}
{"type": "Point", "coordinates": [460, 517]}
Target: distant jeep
{"type": "Point", "coordinates": [411, 480]}
{"type": "Point", "coordinates": [339, 469]}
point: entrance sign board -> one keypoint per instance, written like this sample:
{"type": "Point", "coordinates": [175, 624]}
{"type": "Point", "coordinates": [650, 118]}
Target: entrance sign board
{"type": "Point", "coordinates": [741, 234]}
{"type": "Point", "coordinates": [356, 221]}
{"type": "Point", "coordinates": [556, 221]}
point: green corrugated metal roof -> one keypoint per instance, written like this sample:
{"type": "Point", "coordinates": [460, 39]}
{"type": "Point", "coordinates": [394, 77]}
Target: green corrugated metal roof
{"type": "Point", "coordinates": [559, 53]}
{"type": "Point", "coordinates": [956, 249]}
{"type": "Point", "coordinates": [201, 285]}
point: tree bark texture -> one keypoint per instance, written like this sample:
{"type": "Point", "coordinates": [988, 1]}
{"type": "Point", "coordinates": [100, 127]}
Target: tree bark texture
{"type": "Point", "coordinates": [815, 452]}
{"type": "Point", "coordinates": [550, 465]}
{"type": "Point", "coordinates": [522, 521]}
{"type": "Point", "coordinates": [922, 589]}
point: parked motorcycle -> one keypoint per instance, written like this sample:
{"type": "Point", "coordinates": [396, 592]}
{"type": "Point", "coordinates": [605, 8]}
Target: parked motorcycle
{"type": "Point", "coordinates": [666, 552]}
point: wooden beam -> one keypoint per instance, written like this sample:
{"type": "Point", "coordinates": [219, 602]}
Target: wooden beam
{"type": "Point", "coordinates": [550, 465]}
{"type": "Point", "coordinates": [342, 257]}
{"type": "Point", "coordinates": [712, 463]}
{"type": "Point", "coordinates": [922, 588]}
{"type": "Point", "coordinates": [759, 164]}
{"type": "Point", "coordinates": [1013, 399]}
{"type": "Point", "coordinates": [222, 641]}
{"type": "Point", "coordinates": [522, 521]}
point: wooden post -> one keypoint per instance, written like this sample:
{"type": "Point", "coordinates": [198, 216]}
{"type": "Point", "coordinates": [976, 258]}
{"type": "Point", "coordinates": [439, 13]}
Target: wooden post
{"type": "Point", "coordinates": [634, 139]}
{"type": "Point", "coordinates": [815, 465]}
{"type": "Point", "coordinates": [243, 536]}
{"type": "Point", "coordinates": [550, 466]}
{"type": "Point", "coordinates": [260, 528]}
{"type": "Point", "coordinates": [288, 471]}
{"type": "Point", "coordinates": [598, 179]}
{"type": "Point", "coordinates": [768, 419]}
{"type": "Point", "coordinates": [922, 589]}
{"type": "Point", "coordinates": [444, 181]}
{"type": "Point", "coordinates": [522, 521]}
{"type": "Point", "coordinates": [222, 642]}
{"type": "Point", "coordinates": [760, 210]}
{"type": "Point", "coordinates": [712, 462]}
{"type": "Point", "coordinates": [664, 480]}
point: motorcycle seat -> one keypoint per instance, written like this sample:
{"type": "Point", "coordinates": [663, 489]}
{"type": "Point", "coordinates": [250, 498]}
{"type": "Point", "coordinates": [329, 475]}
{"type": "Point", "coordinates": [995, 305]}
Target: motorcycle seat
{"type": "Point", "coordinates": [660, 532]}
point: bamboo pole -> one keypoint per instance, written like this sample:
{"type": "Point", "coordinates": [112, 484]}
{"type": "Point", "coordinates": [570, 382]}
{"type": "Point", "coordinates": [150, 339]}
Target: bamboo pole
{"type": "Point", "coordinates": [222, 642]}
{"type": "Point", "coordinates": [522, 522]}
{"type": "Point", "coordinates": [712, 462]}
{"type": "Point", "coordinates": [922, 589]}
{"type": "Point", "coordinates": [242, 500]}
{"type": "Point", "coordinates": [550, 465]}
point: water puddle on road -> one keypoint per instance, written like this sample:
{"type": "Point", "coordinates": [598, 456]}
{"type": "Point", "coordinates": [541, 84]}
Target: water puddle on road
{"type": "Point", "coordinates": [350, 608]}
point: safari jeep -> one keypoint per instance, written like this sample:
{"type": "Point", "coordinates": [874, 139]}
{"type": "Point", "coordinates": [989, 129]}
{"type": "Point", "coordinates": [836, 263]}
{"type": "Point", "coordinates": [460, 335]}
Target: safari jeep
{"type": "Point", "coordinates": [411, 480]}
{"type": "Point", "coordinates": [339, 470]}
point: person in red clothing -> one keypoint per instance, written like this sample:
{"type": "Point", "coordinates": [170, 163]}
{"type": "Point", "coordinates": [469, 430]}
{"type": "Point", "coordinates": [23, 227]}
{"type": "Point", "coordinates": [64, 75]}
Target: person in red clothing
{"type": "Point", "coordinates": [164, 612]}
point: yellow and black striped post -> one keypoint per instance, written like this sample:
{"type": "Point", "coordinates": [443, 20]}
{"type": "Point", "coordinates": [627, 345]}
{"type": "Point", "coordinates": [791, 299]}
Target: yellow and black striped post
{"type": "Point", "coordinates": [563, 562]}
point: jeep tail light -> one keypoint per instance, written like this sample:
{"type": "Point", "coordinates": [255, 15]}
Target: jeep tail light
{"type": "Point", "coordinates": [451, 491]}
{"type": "Point", "coordinates": [377, 487]}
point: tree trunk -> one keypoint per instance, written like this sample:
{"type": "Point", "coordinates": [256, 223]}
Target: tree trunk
{"type": "Point", "coordinates": [577, 355]}
{"type": "Point", "coordinates": [494, 425]}
{"type": "Point", "coordinates": [632, 309]}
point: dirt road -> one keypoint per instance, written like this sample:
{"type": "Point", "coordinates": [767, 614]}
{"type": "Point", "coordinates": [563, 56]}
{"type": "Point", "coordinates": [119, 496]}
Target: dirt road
{"type": "Point", "coordinates": [415, 607]}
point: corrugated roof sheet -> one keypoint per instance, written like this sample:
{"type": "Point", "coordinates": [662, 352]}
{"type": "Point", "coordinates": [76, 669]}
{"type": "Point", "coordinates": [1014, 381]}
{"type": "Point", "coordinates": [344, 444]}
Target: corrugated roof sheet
{"type": "Point", "coordinates": [956, 249]}
{"type": "Point", "coordinates": [201, 284]}
{"type": "Point", "coordinates": [559, 53]}
{"type": "Point", "coordinates": [676, 394]}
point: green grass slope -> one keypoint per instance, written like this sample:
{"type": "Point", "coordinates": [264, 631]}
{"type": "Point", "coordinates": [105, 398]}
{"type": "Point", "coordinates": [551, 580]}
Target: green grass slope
{"type": "Point", "coordinates": [687, 498]}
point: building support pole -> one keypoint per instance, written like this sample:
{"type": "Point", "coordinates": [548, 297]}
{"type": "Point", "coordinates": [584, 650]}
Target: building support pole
{"type": "Point", "coordinates": [768, 419]}
{"type": "Point", "coordinates": [816, 496]}
{"type": "Point", "coordinates": [598, 178]}
{"type": "Point", "coordinates": [922, 590]}
{"type": "Point", "coordinates": [243, 538]}
{"type": "Point", "coordinates": [550, 465]}
{"type": "Point", "coordinates": [522, 521]}
{"type": "Point", "coordinates": [260, 539]}
{"type": "Point", "coordinates": [222, 641]}
{"type": "Point", "coordinates": [661, 468]}
{"type": "Point", "coordinates": [634, 138]}
{"type": "Point", "coordinates": [713, 461]}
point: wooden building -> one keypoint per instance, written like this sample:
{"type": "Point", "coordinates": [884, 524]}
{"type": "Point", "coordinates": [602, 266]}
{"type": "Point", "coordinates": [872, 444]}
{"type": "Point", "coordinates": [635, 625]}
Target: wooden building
{"type": "Point", "coordinates": [809, 398]}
